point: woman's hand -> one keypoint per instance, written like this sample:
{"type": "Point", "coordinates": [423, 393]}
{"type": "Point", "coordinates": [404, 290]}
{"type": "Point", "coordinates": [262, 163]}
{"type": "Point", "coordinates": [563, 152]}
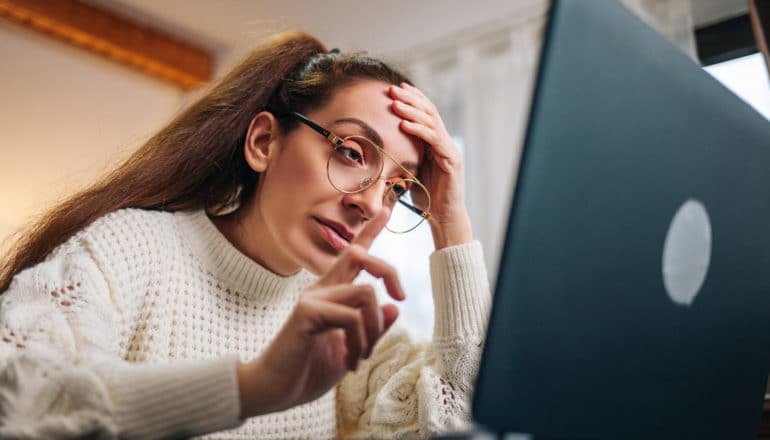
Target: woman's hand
{"type": "Point", "coordinates": [450, 223]}
{"type": "Point", "coordinates": [334, 325]}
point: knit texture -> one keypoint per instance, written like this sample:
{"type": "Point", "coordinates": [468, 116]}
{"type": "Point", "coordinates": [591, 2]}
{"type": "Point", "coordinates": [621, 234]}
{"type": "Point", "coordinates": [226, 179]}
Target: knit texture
{"type": "Point", "coordinates": [134, 327]}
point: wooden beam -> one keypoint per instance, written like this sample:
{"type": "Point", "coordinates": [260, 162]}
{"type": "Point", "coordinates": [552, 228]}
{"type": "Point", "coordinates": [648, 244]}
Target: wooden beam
{"type": "Point", "coordinates": [760, 21]}
{"type": "Point", "coordinates": [115, 37]}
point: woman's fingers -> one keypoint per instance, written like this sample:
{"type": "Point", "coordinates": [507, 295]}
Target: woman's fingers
{"type": "Point", "coordinates": [414, 97]}
{"type": "Point", "coordinates": [363, 298]}
{"type": "Point", "coordinates": [412, 113]}
{"type": "Point", "coordinates": [353, 261]}
{"type": "Point", "coordinates": [369, 232]}
{"type": "Point", "coordinates": [423, 132]}
{"type": "Point", "coordinates": [421, 119]}
{"type": "Point", "coordinates": [440, 156]}
{"type": "Point", "coordinates": [354, 309]}
{"type": "Point", "coordinates": [356, 258]}
{"type": "Point", "coordinates": [381, 269]}
{"type": "Point", "coordinates": [389, 314]}
{"type": "Point", "coordinates": [416, 91]}
{"type": "Point", "coordinates": [419, 124]}
{"type": "Point", "coordinates": [325, 316]}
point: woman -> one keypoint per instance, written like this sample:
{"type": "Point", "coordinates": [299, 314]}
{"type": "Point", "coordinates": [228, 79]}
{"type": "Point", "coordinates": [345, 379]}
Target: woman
{"type": "Point", "coordinates": [207, 283]}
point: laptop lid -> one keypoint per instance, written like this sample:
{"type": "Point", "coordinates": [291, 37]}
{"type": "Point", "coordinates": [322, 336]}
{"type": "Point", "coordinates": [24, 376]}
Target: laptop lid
{"type": "Point", "coordinates": [633, 295]}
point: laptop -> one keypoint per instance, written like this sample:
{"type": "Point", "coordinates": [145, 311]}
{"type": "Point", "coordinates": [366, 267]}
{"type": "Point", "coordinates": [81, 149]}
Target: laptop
{"type": "Point", "coordinates": [633, 295]}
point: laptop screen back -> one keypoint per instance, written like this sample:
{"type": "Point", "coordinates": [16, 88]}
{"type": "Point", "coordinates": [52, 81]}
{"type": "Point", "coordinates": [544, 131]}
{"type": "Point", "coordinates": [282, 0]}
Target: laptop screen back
{"type": "Point", "coordinates": [633, 295]}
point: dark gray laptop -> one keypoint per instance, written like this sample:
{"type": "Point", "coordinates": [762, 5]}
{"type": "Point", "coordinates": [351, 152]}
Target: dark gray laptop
{"type": "Point", "coordinates": [633, 297]}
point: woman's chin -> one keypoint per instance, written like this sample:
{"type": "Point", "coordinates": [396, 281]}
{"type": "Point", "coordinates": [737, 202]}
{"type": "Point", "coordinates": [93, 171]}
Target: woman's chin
{"type": "Point", "coordinates": [319, 262]}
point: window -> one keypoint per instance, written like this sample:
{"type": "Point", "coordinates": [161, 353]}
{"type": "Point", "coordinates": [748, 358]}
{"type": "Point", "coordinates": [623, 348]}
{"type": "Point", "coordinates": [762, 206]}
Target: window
{"type": "Point", "coordinates": [409, 254]}
{"type": "Point", "coordinates": [746, 77]}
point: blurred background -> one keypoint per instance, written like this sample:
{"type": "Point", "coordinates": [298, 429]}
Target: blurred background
{"type": "Point", "coordinates": [84, 83]}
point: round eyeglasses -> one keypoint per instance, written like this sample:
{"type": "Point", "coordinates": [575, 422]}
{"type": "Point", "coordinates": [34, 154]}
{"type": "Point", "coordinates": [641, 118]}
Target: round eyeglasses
{"type": "Point", "coordinates": [355, 163]}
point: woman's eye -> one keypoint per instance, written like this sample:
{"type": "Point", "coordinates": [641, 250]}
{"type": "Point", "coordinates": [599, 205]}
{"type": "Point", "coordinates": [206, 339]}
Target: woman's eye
{"type": "Point", "coordinates": [400, 188]}
{"type": "Point", "coordinates": [350, 154]}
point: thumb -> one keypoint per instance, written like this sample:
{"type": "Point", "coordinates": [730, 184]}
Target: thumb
{"type": "Point", "coordinates": [366, 236]}
{"type": "Point", "coordinates": [389, 314]}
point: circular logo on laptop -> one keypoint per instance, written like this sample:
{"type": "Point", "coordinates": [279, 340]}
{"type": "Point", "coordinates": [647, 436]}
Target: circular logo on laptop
{"type": "Point", "coordinates": [687, 252]}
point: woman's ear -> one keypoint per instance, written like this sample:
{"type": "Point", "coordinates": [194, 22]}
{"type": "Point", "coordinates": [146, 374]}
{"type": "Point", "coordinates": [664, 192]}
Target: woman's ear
{"type": "Point", "coordinates": [261, 141]}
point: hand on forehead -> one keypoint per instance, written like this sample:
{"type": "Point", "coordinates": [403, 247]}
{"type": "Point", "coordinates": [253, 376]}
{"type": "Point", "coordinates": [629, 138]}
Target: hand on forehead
{"type": "Point", "coordinates": [369, 104]}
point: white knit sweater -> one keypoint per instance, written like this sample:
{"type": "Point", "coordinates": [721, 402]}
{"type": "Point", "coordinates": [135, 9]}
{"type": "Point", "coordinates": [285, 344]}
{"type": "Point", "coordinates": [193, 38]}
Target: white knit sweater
{"type": "Point", "coordinates": [133, 328]}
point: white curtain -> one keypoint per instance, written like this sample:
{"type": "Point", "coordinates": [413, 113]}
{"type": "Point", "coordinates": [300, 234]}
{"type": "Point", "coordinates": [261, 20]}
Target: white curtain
{"type": "Point", "coordinates": [481, 80]}
{"type": "Point", "coordinates": [481, 84]}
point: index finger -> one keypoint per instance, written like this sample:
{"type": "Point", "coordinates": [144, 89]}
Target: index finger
{"type": "Point", "coordinates": [366, 237]}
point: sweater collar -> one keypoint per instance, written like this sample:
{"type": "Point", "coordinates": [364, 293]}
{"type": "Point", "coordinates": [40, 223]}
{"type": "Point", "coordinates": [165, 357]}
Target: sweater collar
{"type": "Point", "coordinates": [231, 266]}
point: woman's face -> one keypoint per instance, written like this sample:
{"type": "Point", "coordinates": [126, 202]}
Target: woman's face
{"type": "Point", "coordinates": [305, 219]}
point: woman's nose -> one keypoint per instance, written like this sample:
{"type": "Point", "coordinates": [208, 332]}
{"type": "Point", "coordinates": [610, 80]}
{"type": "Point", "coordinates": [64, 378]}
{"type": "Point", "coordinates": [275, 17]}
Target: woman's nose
{"type": "Point", "coordinates": [369, 201]}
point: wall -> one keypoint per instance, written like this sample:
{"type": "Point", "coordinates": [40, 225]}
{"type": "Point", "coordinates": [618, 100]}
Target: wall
{"type": "Point", "coordinates": [65, 116]}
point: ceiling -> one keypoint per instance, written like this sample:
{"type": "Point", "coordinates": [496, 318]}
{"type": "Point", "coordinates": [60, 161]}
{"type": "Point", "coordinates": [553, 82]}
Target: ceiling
{"type": "Point", "coordinates": [228, 27]}
{"type": "Point", "coordinates": [709, 11]}
{"type": "Point", "coordinates": [380, 27]}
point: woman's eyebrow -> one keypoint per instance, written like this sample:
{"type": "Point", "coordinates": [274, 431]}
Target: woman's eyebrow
{"type": "Point", "coordinates": [411, 167]}
{"type": "Point", "coordinates": [372, 135]}
{"type": "Point", "coordinates": [368, 131]}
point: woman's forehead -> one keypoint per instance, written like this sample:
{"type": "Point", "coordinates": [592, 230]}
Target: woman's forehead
{"type": "Point", "coordinates": [364, 108]}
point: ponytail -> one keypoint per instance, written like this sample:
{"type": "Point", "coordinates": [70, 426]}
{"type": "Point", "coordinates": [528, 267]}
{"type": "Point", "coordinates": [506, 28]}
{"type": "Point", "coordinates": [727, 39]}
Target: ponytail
{"type": "Point", "coordinates": [196, 161]}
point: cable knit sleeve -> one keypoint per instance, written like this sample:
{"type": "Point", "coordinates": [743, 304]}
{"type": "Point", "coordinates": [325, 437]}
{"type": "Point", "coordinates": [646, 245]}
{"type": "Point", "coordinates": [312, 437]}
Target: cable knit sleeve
{"type": "Point", "coordinates": [61, 370]}
{"type": "Point", "coordinates": [408, 389]}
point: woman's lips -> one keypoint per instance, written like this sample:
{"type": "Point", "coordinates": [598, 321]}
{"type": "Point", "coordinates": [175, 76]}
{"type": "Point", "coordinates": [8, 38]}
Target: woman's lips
{"type": "Point", "coordinates": [332, 236]}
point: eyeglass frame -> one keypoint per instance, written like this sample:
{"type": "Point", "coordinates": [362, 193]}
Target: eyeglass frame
{"type": "Point", "coordinates": [337, 141]}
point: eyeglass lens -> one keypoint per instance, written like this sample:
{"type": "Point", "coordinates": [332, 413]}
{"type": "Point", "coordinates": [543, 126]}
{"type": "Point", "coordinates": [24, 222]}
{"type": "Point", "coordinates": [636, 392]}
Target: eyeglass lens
{"type": "Point", "coordinates": [357, 163]}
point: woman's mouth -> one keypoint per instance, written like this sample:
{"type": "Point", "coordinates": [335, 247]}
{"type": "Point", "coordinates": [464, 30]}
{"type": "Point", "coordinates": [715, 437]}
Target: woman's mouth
{"type": "Point", "coordinates": [337, 235]}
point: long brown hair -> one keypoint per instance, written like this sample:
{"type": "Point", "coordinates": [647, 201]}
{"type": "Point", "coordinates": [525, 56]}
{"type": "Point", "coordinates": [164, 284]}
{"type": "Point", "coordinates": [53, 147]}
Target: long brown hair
{"type": "Point", "coordinates": [197, 160]}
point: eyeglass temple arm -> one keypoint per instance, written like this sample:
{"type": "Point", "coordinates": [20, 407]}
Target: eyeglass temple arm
{"type": "Point", "coordinates": [336, 140]}
{"type": "Point", "coordinates": [415, 209]}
